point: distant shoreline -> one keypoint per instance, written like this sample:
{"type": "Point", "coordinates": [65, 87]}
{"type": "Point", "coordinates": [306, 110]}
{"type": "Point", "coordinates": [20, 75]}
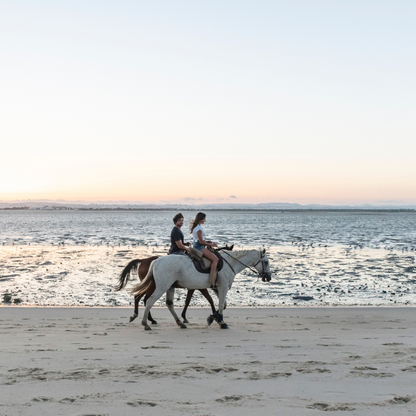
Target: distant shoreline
{"type": "Point", "coordinates": [217, 209]}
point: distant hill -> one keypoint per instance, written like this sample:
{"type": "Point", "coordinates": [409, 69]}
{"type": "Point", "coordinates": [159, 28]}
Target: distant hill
{"type": "Point", "coordinates": [50, 204]}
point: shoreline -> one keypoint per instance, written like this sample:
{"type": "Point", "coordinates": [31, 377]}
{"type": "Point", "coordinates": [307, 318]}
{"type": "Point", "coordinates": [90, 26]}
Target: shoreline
{"type": "Point", "coordinates": [274, 210]}
{"type": "Point", "coordinates": [330, 277]}
{"type": "Point", "coordinates": [178, 307]}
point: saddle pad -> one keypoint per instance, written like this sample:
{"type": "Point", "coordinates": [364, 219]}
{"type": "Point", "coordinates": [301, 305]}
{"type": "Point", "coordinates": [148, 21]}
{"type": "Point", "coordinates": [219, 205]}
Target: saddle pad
{"type": "Point", "coordinates": [206, 267]}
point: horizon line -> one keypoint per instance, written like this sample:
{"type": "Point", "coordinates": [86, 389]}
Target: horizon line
{"type": "Point", "coordinates": [40, 203]}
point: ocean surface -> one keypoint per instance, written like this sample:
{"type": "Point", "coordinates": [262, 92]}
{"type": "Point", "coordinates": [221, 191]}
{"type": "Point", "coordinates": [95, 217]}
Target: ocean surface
{"type": "Point", "coordinates": [74, 258]}
{"type": "Point", "coordinates": [395, 230]}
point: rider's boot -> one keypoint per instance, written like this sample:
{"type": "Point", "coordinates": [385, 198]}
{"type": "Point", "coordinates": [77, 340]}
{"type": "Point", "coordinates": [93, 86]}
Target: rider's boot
{"type": "Point", "coordinates": [212, 277]}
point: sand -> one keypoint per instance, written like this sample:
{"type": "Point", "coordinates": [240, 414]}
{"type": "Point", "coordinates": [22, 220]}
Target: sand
{"type": "Point", "coordinates": [272, 361]}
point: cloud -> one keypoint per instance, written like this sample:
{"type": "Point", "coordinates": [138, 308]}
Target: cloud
{"type": "Point", "coordinates": [233, 196]}
{"type": "Point", "coordinates": [191, 199]}
{"type": "Point", "coordinates": [390, 201]}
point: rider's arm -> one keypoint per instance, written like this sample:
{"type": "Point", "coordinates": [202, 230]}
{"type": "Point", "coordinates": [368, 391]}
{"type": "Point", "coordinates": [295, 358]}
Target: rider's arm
{"type": "Point", "coordinates": [204, 243]}
{"type": "Point", "coordinates": [181, 246]}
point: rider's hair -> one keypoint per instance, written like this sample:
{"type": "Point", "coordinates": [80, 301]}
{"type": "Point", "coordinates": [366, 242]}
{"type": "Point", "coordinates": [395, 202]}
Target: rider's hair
{"type": "Point", "coordinates": [177, 217]}
{"type": "Point", "coordinates": [199, 217]}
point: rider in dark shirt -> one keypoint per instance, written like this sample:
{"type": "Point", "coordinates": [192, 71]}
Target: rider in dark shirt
{"type": "Point", "coordinates": [177, 245]}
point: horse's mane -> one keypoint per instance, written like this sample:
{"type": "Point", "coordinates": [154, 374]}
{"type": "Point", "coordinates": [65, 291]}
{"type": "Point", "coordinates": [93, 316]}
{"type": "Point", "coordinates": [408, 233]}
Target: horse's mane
{"type": "Point", "coordinates": [240, 253]}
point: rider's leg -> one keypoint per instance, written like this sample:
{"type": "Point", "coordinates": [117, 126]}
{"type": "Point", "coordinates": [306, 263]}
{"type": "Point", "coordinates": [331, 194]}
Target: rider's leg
{"type": "Point", "coordinates": [213, 273]}
{"type": "Point", "coordinates": [170, 294]}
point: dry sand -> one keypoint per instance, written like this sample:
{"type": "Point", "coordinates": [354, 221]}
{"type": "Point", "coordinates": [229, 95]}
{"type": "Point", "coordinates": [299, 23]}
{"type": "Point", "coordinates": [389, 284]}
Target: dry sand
{"type": "Point", "coordinates": [272, 361]}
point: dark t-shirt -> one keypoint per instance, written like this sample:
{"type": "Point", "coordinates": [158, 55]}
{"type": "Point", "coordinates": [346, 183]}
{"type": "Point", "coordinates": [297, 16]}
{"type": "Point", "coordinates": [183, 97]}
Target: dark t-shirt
{"type": "Point", "coordinates": [175, 235]}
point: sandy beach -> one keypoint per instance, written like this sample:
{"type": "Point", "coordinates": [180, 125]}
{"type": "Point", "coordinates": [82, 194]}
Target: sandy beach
{"type": "Point", "coordinates": [272, 361]}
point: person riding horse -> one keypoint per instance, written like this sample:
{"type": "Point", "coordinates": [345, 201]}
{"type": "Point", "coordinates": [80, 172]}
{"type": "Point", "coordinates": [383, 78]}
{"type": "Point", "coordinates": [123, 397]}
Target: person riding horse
{"type": "Point", "coordinates": [177, 245]}
{"type": "Point", "coordinates": [201, 244]}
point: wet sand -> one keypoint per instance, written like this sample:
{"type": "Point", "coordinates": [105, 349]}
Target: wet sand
{"type": "Point", "coordinates": [272, 361]}
{"type": "Point", "coordinates": [76, 276]}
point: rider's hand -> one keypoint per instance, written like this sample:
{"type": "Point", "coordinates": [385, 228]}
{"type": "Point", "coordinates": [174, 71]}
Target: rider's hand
{"type": "Point", "coordinates": [214, 245]}
{"type": "Point", "coordinates": [187, 244]}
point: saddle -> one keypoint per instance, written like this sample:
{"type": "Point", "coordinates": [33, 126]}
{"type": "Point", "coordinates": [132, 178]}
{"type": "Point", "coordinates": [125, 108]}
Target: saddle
{"type": "Point", "coordinates": [202, 264]}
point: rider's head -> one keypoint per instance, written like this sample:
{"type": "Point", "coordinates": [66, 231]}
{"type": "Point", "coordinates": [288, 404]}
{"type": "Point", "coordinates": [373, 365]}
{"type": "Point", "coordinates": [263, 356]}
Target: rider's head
{"type": "Point", "coordinates": [198, 220]}
{"type": "Point", "coordinates": [178, 220]}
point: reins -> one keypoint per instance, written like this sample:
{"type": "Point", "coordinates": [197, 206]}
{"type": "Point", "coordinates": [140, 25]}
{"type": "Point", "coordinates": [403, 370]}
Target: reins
{"type": "Point", "coordinates": [245, 265]}
{"type": "Point", "coordinates": [229, 265]}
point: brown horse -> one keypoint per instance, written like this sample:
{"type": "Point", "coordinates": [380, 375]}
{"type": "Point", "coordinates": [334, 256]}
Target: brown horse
{"type": "Point", "coordinates": [142, 271]}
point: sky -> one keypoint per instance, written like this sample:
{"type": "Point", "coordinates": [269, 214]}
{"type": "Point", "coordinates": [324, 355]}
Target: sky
{"type": "Point", "coordinates": [220, 101]}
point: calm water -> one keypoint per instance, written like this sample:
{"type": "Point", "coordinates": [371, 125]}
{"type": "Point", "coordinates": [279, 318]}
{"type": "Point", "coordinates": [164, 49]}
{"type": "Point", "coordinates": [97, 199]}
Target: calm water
{"type": "Point", "coordinates": [371, 229]}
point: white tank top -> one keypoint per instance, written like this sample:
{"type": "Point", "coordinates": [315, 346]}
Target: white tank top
{"type": "Point", "coordinates": [195, 235]}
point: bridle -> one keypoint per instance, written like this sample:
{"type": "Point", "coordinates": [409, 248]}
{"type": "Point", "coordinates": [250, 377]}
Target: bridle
{"type": "Point", "coordinates": [265, 276]}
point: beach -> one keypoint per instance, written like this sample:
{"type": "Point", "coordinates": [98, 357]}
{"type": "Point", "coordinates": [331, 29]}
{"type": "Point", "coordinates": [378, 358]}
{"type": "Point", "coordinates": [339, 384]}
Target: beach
{"type": "Point", "coordinates": [333, 331]}
{"type": "Point", "coordinates": [274, 361]}
{"type": "Point", "coordinates": [276, 134]}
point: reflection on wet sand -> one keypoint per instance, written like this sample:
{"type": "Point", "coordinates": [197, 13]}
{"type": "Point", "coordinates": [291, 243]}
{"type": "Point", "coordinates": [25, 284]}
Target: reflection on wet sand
{"type": "Point", "coordinates": [302, 276]}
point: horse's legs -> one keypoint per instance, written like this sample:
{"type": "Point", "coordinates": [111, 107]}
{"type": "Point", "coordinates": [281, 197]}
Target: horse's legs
{"type": "Point", "coordinates": [170, 294]}
{"type": "Point", "coordinates": [222, 293]}
{"type": "Point", "coordinates": [187, 302]}
{"type": "Point", "coordinates": [136, 308]}
{"type": "Point", "coordinates": [208, 298]}
{"type": "Point", "coordinates": [157, 294]}
{"type": "Point", "coordinates": [150, 314]}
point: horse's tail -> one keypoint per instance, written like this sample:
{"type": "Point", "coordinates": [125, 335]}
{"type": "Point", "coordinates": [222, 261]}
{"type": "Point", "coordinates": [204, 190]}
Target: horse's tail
{"type": "Point", "coordinates": [147, 283]}
{"type": "Point", "coordinates": [125, 274]}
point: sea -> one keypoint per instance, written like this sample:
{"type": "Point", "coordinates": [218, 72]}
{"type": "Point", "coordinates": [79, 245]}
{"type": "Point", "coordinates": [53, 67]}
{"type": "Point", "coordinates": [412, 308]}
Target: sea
{"type": "Point", "coordinates": [371, 229]}
{"type": "Point", "coordinates": [317, 258]}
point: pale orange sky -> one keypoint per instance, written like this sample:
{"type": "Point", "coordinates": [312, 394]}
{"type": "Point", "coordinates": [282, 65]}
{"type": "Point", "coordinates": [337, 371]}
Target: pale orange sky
{"type": "Point", "coordinates": [268, 102]}
{"type": "Point", "coordinates": [309, 182]}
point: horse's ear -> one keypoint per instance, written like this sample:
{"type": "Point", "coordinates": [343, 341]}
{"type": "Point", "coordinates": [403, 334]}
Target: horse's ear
{"type": "Point", "coordinates": [264, 251]}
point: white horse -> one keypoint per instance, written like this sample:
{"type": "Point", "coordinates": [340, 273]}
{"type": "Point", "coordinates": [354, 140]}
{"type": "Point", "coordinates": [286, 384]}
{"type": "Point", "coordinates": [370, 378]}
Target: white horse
{"type": "Point", "coordinates": [175, 271]}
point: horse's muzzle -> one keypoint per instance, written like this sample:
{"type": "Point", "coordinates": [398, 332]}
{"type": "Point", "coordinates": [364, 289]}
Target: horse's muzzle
{"type": "Point", "coordinates": [266, 277]}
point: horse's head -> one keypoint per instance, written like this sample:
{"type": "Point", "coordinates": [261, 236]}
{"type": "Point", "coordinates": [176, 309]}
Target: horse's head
{"type": "Point", "coordinates": [263, 267]}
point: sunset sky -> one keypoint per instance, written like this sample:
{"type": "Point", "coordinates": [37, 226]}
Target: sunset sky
{"type": "Point", "coordinates": [215, 101]}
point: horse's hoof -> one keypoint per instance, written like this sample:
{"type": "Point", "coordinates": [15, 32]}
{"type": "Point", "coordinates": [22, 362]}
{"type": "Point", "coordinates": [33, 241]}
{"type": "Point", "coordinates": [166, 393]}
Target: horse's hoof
{"type": "Point", "coordinates": [224, 326]}
{"type": "Point", "coordinates": [218, 317]}
{"type": "Point", "coordinates": [132, 318]}
{"type": "Point", "coordinates": [181, 325]}
{"type": "Point", "coordinates": [185, 321]}
{"type": "Point", "coordinates": [154, 322]}
{"type": "Point", "coordinates": [210, 320]}
{"type": "Point", "coordinates": [147, 328]}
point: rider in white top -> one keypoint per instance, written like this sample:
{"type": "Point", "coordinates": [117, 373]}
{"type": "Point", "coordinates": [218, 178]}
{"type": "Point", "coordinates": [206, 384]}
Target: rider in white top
{"type": "Point", "coordinates": [201, 244]}
{"type": "Point", "coordinates": [197, 244]}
